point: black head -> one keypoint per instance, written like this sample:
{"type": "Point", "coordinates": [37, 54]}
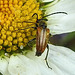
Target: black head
{"type": "Point", "coordinates": [42, 23]}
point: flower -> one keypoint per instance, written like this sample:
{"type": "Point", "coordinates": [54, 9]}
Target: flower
{"type": "Point", "coordinates": [14, 15]}
{"type": "Point", "coordinates": [57, 25]}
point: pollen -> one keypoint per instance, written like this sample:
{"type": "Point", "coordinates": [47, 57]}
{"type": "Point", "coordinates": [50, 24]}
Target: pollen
{"type": "Point", "coordinates": [1, 41]}
{"type": "Point", "coordinates": [5, 42]}
{"type": "Point", "coordinates": [9, 38]}
{"type": "Point", "coordinates": [16, 23]}
{"type": "Point", "coordinates": [15, 41]}
{"type": "Point", "coordinates": [14, 48]}
{"type": "Point", "coordinates": [0, 47]}
{"type": "Point", "coordinates": [8, 49]}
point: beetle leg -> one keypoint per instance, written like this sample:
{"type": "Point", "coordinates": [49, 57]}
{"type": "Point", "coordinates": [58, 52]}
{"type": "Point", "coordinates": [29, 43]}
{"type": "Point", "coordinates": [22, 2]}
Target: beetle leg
{"type": "Point", "coordinates": [30, 41]}
{"type": "Point", "coordinates": [47, 57]}
{"type": "Point", "coordinates": [28, 28]}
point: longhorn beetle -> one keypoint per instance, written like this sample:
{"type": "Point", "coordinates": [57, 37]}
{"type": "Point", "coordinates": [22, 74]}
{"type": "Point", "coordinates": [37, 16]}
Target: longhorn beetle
{"type": "Point", "coordinates": [42, 35]}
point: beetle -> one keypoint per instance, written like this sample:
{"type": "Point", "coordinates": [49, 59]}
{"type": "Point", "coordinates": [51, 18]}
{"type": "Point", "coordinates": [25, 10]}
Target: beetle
{"type": "Point", "coordinates": [42, 38]}
{"type": "Point", "coordinates": [42, 35]}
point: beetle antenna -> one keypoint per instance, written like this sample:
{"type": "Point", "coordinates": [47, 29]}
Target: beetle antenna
{"type": "Point", "coordinates": [36, 15]}
{"type": "Point", "coordinates": [26, 22]}
{"type": "Point", "coordinates": [55, 13]}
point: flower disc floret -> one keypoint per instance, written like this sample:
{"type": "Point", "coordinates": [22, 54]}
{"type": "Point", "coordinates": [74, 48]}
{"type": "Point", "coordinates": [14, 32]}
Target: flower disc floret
{"type": "Point", "coordinates": [13, 17]}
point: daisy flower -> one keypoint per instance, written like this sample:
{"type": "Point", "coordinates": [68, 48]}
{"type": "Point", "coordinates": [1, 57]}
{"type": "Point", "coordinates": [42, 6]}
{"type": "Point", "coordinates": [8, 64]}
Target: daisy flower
{"type": "Point", "coordinates": [16, 30]}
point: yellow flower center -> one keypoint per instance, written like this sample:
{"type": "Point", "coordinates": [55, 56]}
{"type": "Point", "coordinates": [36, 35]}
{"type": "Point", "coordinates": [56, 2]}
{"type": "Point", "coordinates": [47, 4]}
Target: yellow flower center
{"type": "Point", "coordinates": [14, 31]}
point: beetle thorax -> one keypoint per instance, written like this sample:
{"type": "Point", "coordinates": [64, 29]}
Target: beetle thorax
{"type": "Point", "coordinates": [42, 24]}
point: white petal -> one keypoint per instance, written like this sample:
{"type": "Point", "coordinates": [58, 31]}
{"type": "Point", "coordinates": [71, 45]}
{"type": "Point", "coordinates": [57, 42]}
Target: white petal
{"type": "Point", "coordinates": [47, 0]}
{"type": "Point", "coordinates": [4, 65]}
{"type": "Point", "coordinates": [60, 59]}
{"type": "Point", "coordinates": [61, 23]}
{"type": "Point", "coordinates": [41, 63]}
{"type": "Point", "coordinates": [21, 65]}
{"type": "Point", "coordinates": [63, 58]}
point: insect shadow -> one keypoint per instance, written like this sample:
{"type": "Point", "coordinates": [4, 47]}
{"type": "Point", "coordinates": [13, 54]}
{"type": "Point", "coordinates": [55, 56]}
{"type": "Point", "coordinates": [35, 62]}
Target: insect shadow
{"type": "Point", "coordinates": [42, 34]}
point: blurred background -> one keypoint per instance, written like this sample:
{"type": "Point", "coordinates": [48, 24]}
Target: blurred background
{"type": "Point", "coordinates": [66, 40]}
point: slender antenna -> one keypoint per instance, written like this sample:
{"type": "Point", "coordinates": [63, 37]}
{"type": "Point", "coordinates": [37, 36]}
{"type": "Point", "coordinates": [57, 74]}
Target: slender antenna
{"type": "Point", "coordinates": [36, 15]}
{"type": "Point", "coordinates": [26, 22]}
{"type": "Point", "coordinates": [44, 16]}
{"type": "Point", "coordinates": [55, 13]}
{"type": "Point", "coordinates": [26, 28]}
